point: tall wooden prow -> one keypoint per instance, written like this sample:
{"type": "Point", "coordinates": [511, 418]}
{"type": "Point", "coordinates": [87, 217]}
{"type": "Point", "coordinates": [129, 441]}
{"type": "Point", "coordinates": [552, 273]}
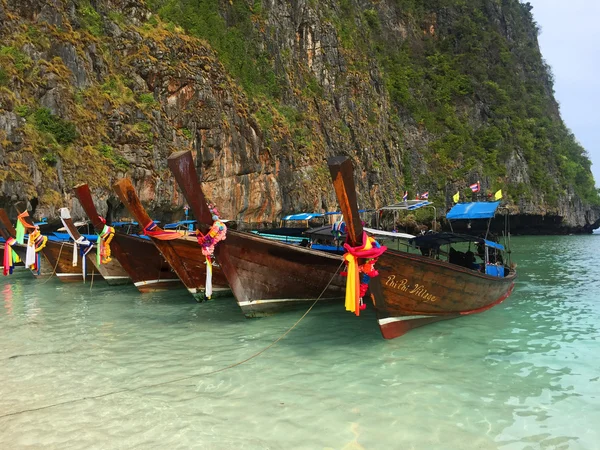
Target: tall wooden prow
{"type": "Point", "coordinates": [7, 230]}
{"type": "Point", "coordinates": [21, 208]}
{"type": "Point", "coordinates": [183, 168]}
{"type": "Point", "coordinates": [182, 252]}
{"type": "Point", "coordinates": [342, 174]}
{"type": "Point", "coordinates": [139, 257]}
{"type": "Point", "coordinates": [266, 276]}
{"type": "Point", "coordinates": [127, 195]}
{"type": "Point", "coordinates": [65, 215]}
{"type": "Point", "coordinates": [82, 191]}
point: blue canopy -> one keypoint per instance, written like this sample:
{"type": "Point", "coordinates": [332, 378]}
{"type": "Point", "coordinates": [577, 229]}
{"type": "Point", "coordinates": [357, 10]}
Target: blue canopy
{"type": "Point", "coordinates": [120, 224]}
{"type": "Point", "coordinates": [408, 205]}
{"type": "Point", "coordinates": [170, 226]}
{"type": "Point", "coordinates": [474, 210]}
{"type": "Point", "coordinates": [302, 216]}
{"type": "Point", "coordinates": [435, 240]}
{"type": "Point", "coordinates": [494, 245]}
{"type": "Point", "coordinates": [67, 236]}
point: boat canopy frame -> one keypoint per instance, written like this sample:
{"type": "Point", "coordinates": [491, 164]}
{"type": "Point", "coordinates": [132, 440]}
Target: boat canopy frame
{"type": "Point", "coordinates": [409, 205]}
{"type": "Point", "coordinates": [436, 240]}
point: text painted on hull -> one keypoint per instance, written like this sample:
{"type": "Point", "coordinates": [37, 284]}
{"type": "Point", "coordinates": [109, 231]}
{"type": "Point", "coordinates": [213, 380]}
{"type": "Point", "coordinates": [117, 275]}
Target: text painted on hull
{"type": "Point", "coordinates": [418, 290]}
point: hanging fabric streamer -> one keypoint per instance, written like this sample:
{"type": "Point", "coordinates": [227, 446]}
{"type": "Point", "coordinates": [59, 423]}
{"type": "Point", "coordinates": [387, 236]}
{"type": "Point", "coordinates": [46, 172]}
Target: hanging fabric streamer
{"type": "Point", "coordinates": [30, 258]}
{"type": "Point", "coordinates": [81, 246]}
{"type": "Point", "coordinates": [15, 257]}
{"type": "Point", "coordinates": [22, 226]}
{"type": "Point", "coordinates": [35, 243]}
{"type": "Point", "coordinates": [216, 234]}
{"type": "Point", "coordinates": [39, 240]}
{"type": "Point", "coordinates": [8, 260]}
{"type": "Point", "coordinates": [360, 274]}
{"type": "Point", "coordinates": [153, 230]}
{"type": "Point", "coordinates": [103, 243]}
{"type": "Point", "coordinates": [85, 247]}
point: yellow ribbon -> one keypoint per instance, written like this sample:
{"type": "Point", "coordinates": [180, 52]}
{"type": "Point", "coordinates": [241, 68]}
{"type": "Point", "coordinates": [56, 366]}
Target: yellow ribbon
{"type": "Point", "coordinates": [353, 280]}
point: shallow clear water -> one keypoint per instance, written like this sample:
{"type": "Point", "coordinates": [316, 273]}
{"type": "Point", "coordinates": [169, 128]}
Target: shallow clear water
{"type": "Point", "coordinates": [524, 375]}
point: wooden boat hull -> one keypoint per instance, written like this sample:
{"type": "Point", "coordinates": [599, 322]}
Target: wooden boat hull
{"type": "Point", "coordinates": [60, 258]}
{"type": "Point", "coordinates": [265, 276]}
{"type": "Point", "coordinates": [185, 256]}
{"type": "Point", "coordinates": [182, 253]}
{"type": "Point", "coordinates": [139, 258]}
{"type": "Point", "coordinates": [113, 273]}
{"type": "Point", "coordinates": [413, 290]}
{"type": "Point", "coordinates": [270, 276]}
{"type": "Point", "coordinates": [147, 268]}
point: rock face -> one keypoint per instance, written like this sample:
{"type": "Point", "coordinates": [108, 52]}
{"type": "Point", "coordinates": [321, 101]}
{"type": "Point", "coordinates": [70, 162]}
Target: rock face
{"type": "Point", "coordinates": [94, 91]}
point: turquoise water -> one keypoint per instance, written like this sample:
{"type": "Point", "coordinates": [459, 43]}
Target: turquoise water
{"type": "Point", "coordinates": [109, 368]}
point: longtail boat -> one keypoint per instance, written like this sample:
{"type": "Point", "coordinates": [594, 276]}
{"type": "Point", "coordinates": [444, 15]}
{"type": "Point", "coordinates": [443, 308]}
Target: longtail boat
{"type": "Point", "coordinates": [59, 254]}
{"type": "Point", "coordinates": [266, 276]}
{"type": "Point", "coordinates": [41, 268]}
{"type": "Point", "coordinates": [139, 257]}
{"type": "Point", "coordinates": [181, 251]}
{"type": "Point", "coordinates": [110, 269]}
{"type": "Point", "coordinates": [414, 290]}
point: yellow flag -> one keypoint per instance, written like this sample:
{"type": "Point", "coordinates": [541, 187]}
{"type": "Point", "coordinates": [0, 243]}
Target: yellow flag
{"type": "Point", "coordinates": [456, 197]}
{"type": "Point", "coordinates": [498, 195]}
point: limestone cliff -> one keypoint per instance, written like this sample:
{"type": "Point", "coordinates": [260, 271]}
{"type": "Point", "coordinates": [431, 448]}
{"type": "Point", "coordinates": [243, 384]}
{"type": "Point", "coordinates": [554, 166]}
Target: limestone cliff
{"type": "Point", "coordinates": [422, 95]}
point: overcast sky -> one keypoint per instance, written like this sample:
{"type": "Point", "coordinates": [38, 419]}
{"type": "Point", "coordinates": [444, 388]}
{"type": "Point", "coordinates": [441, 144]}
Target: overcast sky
{"type": "Point", "coordinates": [570, 43]}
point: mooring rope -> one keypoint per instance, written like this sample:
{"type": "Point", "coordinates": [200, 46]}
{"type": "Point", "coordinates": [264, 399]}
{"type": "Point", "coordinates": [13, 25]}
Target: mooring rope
{"type": "Point", "coordinates": [55, 265]}
{"type": "Point", "coordinates": [188, 377]}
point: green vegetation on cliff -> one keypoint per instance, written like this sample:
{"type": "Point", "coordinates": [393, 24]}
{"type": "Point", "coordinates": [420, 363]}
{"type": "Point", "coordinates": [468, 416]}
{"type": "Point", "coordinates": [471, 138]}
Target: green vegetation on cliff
{"type": "Point", "coordinates": [469, 74]}
{"type": "Point", "coordinates": [422, 95]}
{"type": "Point", "coordinates": [234, 38]}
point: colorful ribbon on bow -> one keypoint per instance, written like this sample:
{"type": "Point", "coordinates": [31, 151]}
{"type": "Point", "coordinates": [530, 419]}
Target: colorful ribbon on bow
{"type": "Point", "coordinates": [357, 284]}
{"type": "Point", "coordinates": [22, 226]}
{"type": "Point", "coordinates": [216, 234]}
{"type": "Point", "coordinates": [84, 247]}
{"type": "Point", "coordinates": [35, 243]}
{"type": "Point", "coordinates": [153, 230]}
{"type": "Point", "coordinates": [103, 244]}
{"type": "Point", "coordinates": [81, 246]}
{"type": "Point", "coordinates": [8, 260]}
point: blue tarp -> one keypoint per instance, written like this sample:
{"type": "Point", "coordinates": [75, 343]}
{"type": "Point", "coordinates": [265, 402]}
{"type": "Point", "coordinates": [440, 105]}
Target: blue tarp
{"type": "Point", "coordinates": [494, 245]}
{"type": "Point", "coordinates": [419, 205]}
{"type": "Point", "coordinates": [181, 223]}
{"type": "Point", "coordinates": [121, 224]}
{"type": "Point", "coordinates": [66, 237]}
{"type": "Point", "coordinates": [475, 210]}
{"type": "Point", "coordinates": [302, 216]}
